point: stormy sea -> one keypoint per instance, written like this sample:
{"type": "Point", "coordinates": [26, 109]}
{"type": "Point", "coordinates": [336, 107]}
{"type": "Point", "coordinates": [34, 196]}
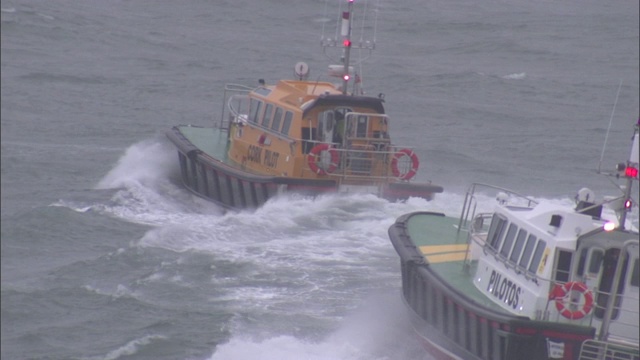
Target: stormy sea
{"type": "Point", "coordinates": [106, 256]}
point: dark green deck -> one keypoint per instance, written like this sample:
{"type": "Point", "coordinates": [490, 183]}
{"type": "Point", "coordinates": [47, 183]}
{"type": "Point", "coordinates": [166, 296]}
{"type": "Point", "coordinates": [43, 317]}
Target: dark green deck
{"type": "Point", "coordinates": [212, 141]}
{"type": "Point", "coordinates": [444, 250]}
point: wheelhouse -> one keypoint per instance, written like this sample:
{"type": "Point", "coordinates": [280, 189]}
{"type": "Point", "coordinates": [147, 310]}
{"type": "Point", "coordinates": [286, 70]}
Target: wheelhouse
{"type": "Point", "coordinates": [543, 262]}
{"type": "Point", "coordinates": [306, 129]}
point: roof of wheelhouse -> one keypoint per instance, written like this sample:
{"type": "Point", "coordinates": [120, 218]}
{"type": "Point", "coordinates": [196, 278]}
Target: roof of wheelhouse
{"type": "Point", "coordinates": [307, 95]}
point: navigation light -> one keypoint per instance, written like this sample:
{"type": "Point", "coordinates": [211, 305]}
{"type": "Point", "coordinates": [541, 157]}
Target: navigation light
{"type": "Point", "coordinates": [609, 226]}
{"type": "Point", "coordinates": [628, 204]}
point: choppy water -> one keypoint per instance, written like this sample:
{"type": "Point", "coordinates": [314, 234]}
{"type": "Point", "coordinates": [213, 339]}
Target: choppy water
{"type": "Point", "coordinates": [106, 256]}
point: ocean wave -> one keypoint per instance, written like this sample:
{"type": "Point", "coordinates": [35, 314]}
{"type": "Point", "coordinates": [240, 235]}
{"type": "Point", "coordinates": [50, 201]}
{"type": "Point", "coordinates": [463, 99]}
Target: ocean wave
{"type": "Point", "coordinates": [130, 348]}
{"type": "Point", "coordinates": [515, 76]}
{"type": "Point", "coordinates": [378, 330]}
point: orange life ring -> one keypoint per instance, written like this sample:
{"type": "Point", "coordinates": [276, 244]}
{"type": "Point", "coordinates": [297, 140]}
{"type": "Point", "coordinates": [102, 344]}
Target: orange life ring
{"type": "Point", "coordinates": [559, 293]}
{"type": "Point", "coordinates": [415, 163]}
{"type": "Point", "coordinates": [314, 154]}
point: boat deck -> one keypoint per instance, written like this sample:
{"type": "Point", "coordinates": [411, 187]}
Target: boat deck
{"type": "Point", "coordinates": [209, 140]}
{"type": "Point", "coordinates": [444, 249]}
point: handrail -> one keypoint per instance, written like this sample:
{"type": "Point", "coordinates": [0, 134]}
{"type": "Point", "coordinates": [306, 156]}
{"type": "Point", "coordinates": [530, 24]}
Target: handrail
{"type": "Point", "coordinates": [362, 161]}
{"type": "Point", "coordinates": [596, 350]}
{"type": "Point", "coordinates": [234, 89]}
{"type": "Point", "coordinates": [470, 200]}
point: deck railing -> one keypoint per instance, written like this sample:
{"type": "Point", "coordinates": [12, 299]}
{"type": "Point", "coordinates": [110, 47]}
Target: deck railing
{"type": "Point", "coordinates": [232, 92]}
{"type": "Point", "coordinates": [366, 161]}
{"type": "Point", "coordinates": [597, 350]}
{"type": "Point", "coordinates": [503, 195]}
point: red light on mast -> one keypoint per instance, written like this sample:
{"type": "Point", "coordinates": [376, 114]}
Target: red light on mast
{"type": "Point", "coordinates": [345, 77]}
{"type": "Point", "coordinates": [631, 172]}
{"type": "Point", "coordinates": [346, 43]}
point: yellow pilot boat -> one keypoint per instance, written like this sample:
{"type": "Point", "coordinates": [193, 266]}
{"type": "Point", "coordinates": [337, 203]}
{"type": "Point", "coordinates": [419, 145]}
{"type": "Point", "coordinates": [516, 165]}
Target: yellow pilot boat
{"type": "Point", "coordinates": [299, 135]}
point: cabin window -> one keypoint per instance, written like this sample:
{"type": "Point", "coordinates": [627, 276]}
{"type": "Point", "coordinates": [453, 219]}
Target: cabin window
{"type": "Point", "coordinates": [361, 126]}
{"type": "Point", "coordinates": [498, 224]}
{"type": "Point", "coordinates": [256, 106]}
{"type": "Point", "coordinates": [528, 250]}
{"type": "Point", "coordinates": [268, 110]}
{"type": "Point", "coordinates": [635, 275]}
{"type": "Point", "coordinates": [596, 261]}
{"type": "Point", "coordinates": [263, 91]}
{"type": "Point", "coordinates": [582, 261]}
{"type": "Point", "coordinates": [277, 118]}
{"type": "Point", "coordinates": [537, 256]}
{"type": "Point", "coordinates": [563, 266]}
{"type": "Point", "coordinates": [517, 248]}
{"type": "Point", "coordinates": [288, 116]}
{"type": "Point", "coordinates": [508, 240]}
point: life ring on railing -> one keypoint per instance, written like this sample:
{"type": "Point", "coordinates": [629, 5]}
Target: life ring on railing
{"type": "Point", "coordinates": [415, 163]}
{"type": "Point", "coordinates": [314, 156]}
{"type": "Point", "coordinates": [559, 293]}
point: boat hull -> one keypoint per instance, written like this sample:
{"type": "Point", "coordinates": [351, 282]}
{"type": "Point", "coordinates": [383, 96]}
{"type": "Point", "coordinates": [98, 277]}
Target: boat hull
{"type": "Point", "coordinates": [214, 179]}
{"type": "Point", "coordinates": [452, 325]}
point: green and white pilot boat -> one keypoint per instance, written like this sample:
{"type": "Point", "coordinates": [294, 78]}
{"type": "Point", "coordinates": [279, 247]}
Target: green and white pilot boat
{"type": "Point", "coordinates": [529, 280]}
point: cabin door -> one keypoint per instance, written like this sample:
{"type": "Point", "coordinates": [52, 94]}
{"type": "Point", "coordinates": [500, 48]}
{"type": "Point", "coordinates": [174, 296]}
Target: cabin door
{"type": "Point", "coordinates": [331, 126]}
{"type": "Point", "coordinates": [599, 275]}
{"type": "Point", "coordinates": [624, 323]}
{"type": "Point", "coordinates": [630, 303]}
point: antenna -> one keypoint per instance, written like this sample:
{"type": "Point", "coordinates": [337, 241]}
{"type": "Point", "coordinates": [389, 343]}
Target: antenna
{"type": "Point", "coordinates": [347, 18]}
{"type": "Point", "coordinates": [344, 29]}
{"type": "Point", "coordinates": [609, 128]}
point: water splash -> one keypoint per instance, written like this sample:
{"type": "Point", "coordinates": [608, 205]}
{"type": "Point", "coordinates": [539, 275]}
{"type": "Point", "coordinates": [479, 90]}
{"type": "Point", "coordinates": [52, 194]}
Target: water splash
{"type": "Point", "coordinates": [379, 330]}
{"type": "Point", "coordinates": [146, 162]}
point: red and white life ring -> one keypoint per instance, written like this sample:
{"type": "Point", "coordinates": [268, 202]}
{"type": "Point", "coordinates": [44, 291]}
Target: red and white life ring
{"type": "Point", "coordinates": [559, 294]}
{"type": "Point", "coordinates": [314, 157]}
{"type": "Point", "coordinates": [415, 163]}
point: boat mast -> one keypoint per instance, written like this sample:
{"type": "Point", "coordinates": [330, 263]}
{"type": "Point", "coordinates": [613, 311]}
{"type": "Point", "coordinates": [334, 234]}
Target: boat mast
{"type": "Point", "coordinates": [630, 173]}
{"type": "Point", "coordinates": [345, 67]}
{"type": "Point", "coordinates": [346, 42]}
